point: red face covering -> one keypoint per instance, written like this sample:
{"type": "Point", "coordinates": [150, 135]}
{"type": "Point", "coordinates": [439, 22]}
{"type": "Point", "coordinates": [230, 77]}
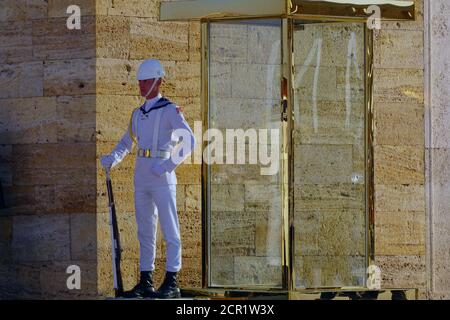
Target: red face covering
{"type": "Point", "coordinates": [150, 86]}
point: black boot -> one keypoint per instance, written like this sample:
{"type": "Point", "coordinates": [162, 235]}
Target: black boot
{"type": "Point", "coordinates": [327, 295]}
{"type": "Point", "coordinates": [144, 289]}
{"type": "Point", "coordinates": [399, 295]}
{"type": "Point", "coordinates": [169, 288]}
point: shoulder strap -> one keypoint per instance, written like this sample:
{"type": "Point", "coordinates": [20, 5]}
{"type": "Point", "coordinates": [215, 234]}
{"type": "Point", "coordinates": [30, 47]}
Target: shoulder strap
{"type": "Point", "coordinates": [130, 126]}
{"type": "Point", "coordinates": [163, 102]}
{"type": "Point", "coordinates": [156, 130]}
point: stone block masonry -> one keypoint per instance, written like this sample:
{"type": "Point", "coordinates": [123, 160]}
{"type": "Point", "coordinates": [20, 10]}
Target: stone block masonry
{"type": "Point", "coordinates": [48, 150]}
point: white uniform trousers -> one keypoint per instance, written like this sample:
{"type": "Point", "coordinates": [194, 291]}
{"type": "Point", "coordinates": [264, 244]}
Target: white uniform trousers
{"type": "Point", "coordinates": [151, 204]}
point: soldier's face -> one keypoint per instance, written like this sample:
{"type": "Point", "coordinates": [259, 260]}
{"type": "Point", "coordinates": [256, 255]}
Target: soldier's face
{"type": "Point", "coordinates": [146, 85]}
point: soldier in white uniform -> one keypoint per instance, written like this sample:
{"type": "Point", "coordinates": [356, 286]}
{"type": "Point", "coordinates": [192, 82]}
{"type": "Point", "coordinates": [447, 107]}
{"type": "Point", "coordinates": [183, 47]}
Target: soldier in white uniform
{"type": "Point", "coordinates": [156, 127]}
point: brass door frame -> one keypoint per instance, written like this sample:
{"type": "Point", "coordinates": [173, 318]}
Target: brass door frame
{"type": "Point", "coordinates": [288, 73]}
{"type": "Point", "coordinates": [204, 167]}
{"type": "Point", "coordinates": [287, 156]}
{"type": "Point", "coordinates": [369, 136]}
{"type": "Point", "coordinates": [212, 9]}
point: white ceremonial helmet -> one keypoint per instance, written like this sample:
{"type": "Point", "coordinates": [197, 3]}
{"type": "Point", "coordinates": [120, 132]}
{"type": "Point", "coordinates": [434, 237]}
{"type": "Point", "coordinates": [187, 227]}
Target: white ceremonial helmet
{"type": "Point", "coordinates": [150, 69]}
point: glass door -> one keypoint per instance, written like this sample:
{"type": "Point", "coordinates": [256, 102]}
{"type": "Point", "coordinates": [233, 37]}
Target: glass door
{"type": "Point", "coordinates": [329, 150]}
{"type": "Point", "coordinates": [244, 230]}
{"type": "Point", "coordinates": [247, 245]}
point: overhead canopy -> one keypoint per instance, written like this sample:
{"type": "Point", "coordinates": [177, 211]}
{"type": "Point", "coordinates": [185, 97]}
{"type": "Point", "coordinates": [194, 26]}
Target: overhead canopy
{"type": "Point", "coordinates": [356, 9]}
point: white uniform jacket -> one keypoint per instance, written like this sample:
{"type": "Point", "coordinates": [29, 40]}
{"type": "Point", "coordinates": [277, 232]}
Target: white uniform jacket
{"type": "Point", "coordinates": [156, 125]}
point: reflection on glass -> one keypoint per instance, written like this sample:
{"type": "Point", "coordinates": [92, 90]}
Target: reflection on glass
{"type": "Point", "coordinates": [244, 217]}
{"type": "Point", "coordinates": [329, 155]}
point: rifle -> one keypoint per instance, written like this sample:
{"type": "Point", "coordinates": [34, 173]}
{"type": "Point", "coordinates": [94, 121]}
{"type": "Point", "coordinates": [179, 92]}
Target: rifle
{"type": "Point", "coordinates": [115, 239]}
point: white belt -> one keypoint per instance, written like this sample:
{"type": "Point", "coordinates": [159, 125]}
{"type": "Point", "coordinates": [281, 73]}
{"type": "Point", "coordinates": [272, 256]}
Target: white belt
{"type": "Point", "coordinates": [147, 153]}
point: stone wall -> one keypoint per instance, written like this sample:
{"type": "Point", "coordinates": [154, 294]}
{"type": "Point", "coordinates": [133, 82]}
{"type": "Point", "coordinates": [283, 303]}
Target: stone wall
{"type": "Point", "coordinates": [127, 33]}
{"type": "Point", "coordinates": [47, 149]}
{"type": "Point", "coordinates": [399, 153]}
{"type": "Point", "coordinates": [437, 149]}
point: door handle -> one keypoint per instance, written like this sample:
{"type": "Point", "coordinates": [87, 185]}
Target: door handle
{"type": "Point", "coordinates": [284, 107]}
{"type": "Point", "coordinates": [284, 102]}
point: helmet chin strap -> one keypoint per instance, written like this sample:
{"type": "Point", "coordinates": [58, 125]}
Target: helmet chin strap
{"type": "Point", "coordinates": [151, 88]}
